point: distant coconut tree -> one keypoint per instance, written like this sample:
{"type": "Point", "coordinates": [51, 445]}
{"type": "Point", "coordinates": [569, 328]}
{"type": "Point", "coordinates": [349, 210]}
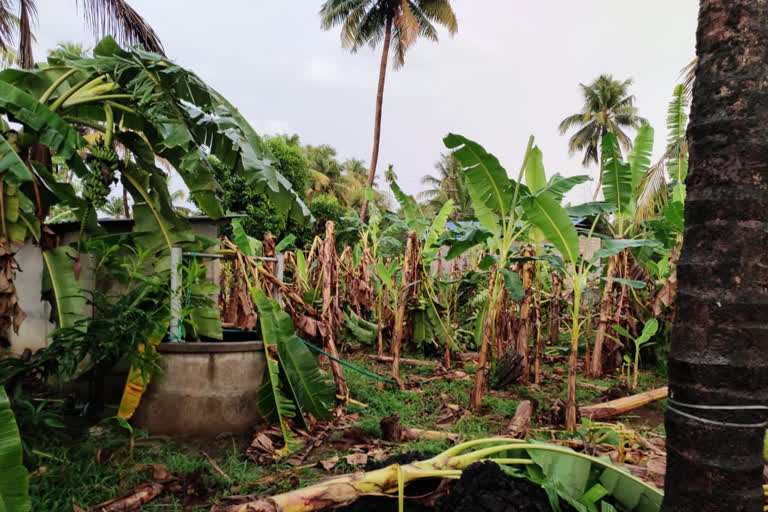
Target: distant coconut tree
{"type": "Point", "coordinates": [396, 22]}
{"type": "Point", "coordinates": [448, 184]}
{"type": "Point", "coordinates": [608, 108]}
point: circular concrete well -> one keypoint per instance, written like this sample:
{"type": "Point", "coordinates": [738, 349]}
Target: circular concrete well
{"type": "Point", "coordinates": [206, 389]}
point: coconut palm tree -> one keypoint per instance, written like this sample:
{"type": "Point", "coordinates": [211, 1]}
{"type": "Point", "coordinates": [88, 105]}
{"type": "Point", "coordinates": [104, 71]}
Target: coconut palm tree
{"type": "Point", "coordinates": [718, 364]}
{"type": "Point", "coordinates": [608, 108]}
{"type": "Point", "coordinates": [104, 17]}
{"type": "Point", "coordinates": [448, 184]}
{"type": "Point", "coordinates": [396, 22]}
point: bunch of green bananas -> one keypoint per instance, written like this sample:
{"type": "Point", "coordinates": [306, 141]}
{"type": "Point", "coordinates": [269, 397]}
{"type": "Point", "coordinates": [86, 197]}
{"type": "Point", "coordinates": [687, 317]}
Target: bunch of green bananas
{"type": "Point", "coordinates": [103, 161]}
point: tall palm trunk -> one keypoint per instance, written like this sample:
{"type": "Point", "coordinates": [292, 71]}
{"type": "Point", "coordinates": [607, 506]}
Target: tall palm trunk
{"type": "Point", "coordinates": [719, 350]}
{"type": "Point", "coordinates": [377, 122]}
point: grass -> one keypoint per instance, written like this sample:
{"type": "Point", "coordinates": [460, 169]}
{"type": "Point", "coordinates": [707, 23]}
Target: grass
{"type": "Point", "coordinates": [92, 468]}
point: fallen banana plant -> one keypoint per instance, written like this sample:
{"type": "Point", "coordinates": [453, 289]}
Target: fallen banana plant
{"type": "Point", "coordinates": [587, 483]}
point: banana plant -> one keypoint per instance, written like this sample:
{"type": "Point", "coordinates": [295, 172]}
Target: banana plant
{"type": "Point", "coordinates": [506, 209]}
{"type": "Point", "coordinates": [14, 481]}
{"type": "Point", "coordinates": [293, 388]}
{"type": "Point", "coordinates": [495, 199]}
{"type": "Point", "coordinates": [137, 107]}
{"type": "Point", "coordinates": [649, 329]}
{"type": "Point", "coordinates": [431, 321]}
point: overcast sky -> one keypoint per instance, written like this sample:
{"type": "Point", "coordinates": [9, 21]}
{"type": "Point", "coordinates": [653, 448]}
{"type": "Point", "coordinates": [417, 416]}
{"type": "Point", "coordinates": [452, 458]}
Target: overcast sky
{"type": "Point", "coordinates": [512, 70]}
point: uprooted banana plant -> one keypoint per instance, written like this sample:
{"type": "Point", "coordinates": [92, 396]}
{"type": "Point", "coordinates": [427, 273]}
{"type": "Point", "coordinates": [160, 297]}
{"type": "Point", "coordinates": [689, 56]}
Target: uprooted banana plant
{"type": "Point", "coordinates": [586, 483]}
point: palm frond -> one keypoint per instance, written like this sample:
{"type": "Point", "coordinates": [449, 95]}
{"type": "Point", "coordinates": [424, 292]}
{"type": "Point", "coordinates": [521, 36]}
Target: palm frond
{"type": "Point", "coordinates": [651, 192]}
{"type": "Point", "coordinates": [688, 74]}
{"type": "Point", "coordinates": [121, 21]}
{"type": "Point", "coordinates": [334, 12]}
{"type": "Point", "coordinates": [9, 24]}
{"type": "Point", "coordinates": [568, 122]}
{"type": "Point", "coordinates": [439, 11]}
{"type": "Point", "coordinates": [426, 28]}
{"type": "Point", "coordinates": [677, 116]}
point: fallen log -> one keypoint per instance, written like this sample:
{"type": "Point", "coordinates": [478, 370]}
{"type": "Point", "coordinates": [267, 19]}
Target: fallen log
{"type": "Point", "coordinates": [466, 356]}
{"type": "Point", "coordinates": [518, 427]}
{"type": "Point", "coordinates": [414, 434]}
{"type": "Point", "coordinates": [412, 362]}
{"type": "Point", "coordinates": [622, 405]}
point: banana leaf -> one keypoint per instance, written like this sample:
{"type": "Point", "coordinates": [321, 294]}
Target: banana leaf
{"type": "Point", "coordinates": [437, 227]}
{"type": "Point", "coordinates": [489, 187]}
{"type": "Point", "coordinates": [639, 158]}
{"type": "Point", "coordinates": [617, 176]}
{"type": "Point", "coordinates": [13, 169]}
{"type": "Point", "coordinates": [137, 382]}
{"type": "Point", "coordinates": [558, 186]}
{"type": "Point", "coordinates": [413, 217]}
{"type": "Point", "coordinates": [614, 246]}
{"type": "Point", "coordinates": [14, 481]}
{"type": "Point", "coordinates": [245, 244]}
{"type": "Point", "coordinates": [311, 393]}
{"type": "Point", "coordinates": [535, 176]}
{"type": "Point", "coordinates": [61, 287]}
{"type": "Point", "coordinates": [583, 483]}
{"type": "Point", "coordinates": [546, 214]}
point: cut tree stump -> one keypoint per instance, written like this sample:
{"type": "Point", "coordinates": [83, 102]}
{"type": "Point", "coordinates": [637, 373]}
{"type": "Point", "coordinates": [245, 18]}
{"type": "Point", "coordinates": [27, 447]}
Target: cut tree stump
{"type": "Point", "coordinates": [518, 427]}
{"type": "Point", "coordinates": [391, 430]}
{"type": "Point", "coordinates": [623, 405]}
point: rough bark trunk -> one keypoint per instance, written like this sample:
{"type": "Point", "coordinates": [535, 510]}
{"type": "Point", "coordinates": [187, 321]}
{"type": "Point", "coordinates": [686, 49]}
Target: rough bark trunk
{"type": "Point", "coordinates": [408, 277]}
{"type": "Point", "coordinates": [377, 121]}
{"type": "Point", "coordinates": [478, 388]}
{"type": "Point", "coordinates": [527, 275]}
{"type": "Point", "coordinates": [596, 369]}
{"type": "Point", "coordinates": [719, 352]}
{"type": "Point", "coordinates": [554, 309]}
{"type": "Point", "coordinates": [331, 312]}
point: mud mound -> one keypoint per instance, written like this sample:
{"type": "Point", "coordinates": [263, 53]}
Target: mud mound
{"type": "Point", "coordinates": [484, 487]}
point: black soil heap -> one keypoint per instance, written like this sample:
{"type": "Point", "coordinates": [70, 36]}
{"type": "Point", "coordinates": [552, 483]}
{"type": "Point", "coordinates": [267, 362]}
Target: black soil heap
{"type": "Point", "coordinates": [484, 487]}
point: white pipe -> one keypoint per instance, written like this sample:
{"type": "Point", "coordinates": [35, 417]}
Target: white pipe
{"type": "Point", "coordinates": [175, 328]}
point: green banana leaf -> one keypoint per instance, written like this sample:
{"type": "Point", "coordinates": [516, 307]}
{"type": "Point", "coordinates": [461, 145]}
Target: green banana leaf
{"type": "Point", "coordinates": [311, 393]}
{"type": "Point", "coordinates": [546, 214]}
{"type": "Point", "coordinates": [584, 483]}
{"type": "Point", "coordinates": [436, 229]}
{"type": "Point", "coordinates": [639, 158]}
{"type": "Point", "coordinates": [535, 176]}
{"type": "Point", "coordinates": [246, 244]}
{"type": "Point", "coordinates": [292, 383]}
{"type": "Point", "coordinates": [204, 313]}
{"type": "Point", "coordinates": [464, 238]}
{"type": "Point", "coordinates": [590, 209]}
{"type": "Point", "coordinates": [614, 246]}
{"type": "Point", "coordinates": [558, 186]}
{"type": "Point", "coordinates": [617, 176]}
{"type": "Point", "coordinates": [52, 130]}
{"type": "Point", "coordinates": [413, 217]}
{"type": "Point", "coordinates": [14, 481]}
{"type": "Point", "coordinates": [489, 187]}
{"type": "Point", "coordinates": [61, 286]}
{"type": "Point", "coordinates": [12, 167]}
{"type": "Point", "coordinates": [155, 218]}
